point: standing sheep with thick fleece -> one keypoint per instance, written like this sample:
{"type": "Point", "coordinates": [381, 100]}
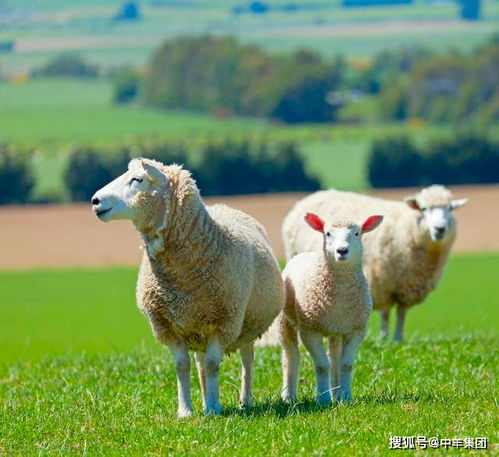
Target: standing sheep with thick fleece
{"type": "Point", "coordinates": [326, 295]}
{"type": "Point", "coordinates": [208, 281]}
{"type": "Point", "coordinates": [404, 259]}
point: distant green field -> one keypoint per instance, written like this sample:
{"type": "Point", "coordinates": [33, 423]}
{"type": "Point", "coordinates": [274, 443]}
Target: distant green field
{"type": "Point", "coordinates": [74, 20]}
{"type": "Point", "coordinates": [81, 375]}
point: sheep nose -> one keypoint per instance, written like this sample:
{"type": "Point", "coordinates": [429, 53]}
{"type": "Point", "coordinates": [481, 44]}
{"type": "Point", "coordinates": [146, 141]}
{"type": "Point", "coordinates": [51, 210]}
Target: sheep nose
{"type": "Point", "coordinates": [440, 230]}
{"type": "Point", "coordinates": [95, 201]}
{"type": "Point", "coordinates": [342, 251]}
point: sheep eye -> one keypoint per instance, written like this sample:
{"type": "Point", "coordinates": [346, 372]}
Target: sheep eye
{"type": "Point", "coordinates": [357, 234]}
{"type": "Point", "coordinates": [328, 234]}
{"type": "Point", "coordinates": [135, 178]}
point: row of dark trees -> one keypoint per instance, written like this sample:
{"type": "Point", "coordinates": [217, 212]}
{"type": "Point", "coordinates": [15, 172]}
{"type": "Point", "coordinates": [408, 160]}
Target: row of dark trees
{"type": "Point", "coordinates": [224, 168]}
{"type": "Point", "coordinates": [246, 167]}
{"type": "Point", "coordinates": [465, 158]}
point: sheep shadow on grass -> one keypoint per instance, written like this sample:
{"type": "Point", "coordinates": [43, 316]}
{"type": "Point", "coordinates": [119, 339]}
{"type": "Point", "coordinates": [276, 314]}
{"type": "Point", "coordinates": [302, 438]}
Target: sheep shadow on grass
{"type": "Point", "coordinates": [277, 407]}
{"type": "Point", "coordinates": [281, 409]}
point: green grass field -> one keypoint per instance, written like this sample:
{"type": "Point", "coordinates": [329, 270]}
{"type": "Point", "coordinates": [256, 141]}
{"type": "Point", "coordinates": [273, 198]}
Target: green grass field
{"type": "Point", "coordinates": [81, 375]}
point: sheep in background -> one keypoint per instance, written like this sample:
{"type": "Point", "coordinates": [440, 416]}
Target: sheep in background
{"type": "Point", "coordinates": [326, 295]}
{"type": "Point", "coordinates": [404, 259]}
{"type": "Point", "coordinates": [208, 281]}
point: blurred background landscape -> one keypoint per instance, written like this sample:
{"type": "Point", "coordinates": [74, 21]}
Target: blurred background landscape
{"type": "Point", "coordinates": [263, 100]}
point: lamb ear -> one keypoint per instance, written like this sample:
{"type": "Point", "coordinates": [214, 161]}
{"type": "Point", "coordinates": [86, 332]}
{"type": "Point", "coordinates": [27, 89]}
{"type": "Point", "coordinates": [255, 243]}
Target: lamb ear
{"type": "Point", "coordinates": [371, 223]}
{"type": "Point", "coordinates": [315, 222]}
{"type": "Point", "coordinates": [412, 202]}
{"type": "Point", "coordinates": [153, 173]}
{"type": "Point", "coordinates": [456, 204]}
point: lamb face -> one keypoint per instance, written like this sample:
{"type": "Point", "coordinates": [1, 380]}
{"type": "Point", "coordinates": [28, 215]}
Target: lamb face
{"type": "Point", "coordinates": [342, 239]}
{"type": "Point", "coordinates": [435, 204]}
{"type": "Point", "coordinates": [133, 194]}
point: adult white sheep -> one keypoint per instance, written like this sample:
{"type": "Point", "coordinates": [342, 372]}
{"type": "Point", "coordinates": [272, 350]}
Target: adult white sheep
{"type": "Point", "coordinates": [208, 281]}
{"type": "Point", "coordinates": [404, 259]}
{"type": "Point", "coordinates": [326, 296]}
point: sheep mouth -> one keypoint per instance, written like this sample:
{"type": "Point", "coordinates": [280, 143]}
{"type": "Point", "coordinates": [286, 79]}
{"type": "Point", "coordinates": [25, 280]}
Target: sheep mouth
{"type": "Point", "coordinates": [101, 212]}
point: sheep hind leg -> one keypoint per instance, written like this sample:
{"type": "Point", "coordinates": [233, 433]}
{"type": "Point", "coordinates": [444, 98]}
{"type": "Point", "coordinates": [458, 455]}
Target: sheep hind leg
{"type": "Point", "coordinates": [200, 363]}
{"type": "Point", "coordinates": [351, 344]}
{"type": "Point", "coordinates": [183, 369]}
{"type": "Point", "coordinates": [247, 358]}
{"type": "Point", "coordinates": [290, 360]}
{"type": "Point", "coordinates": [213, 357]}
{"type": "Point", "coordinates": [335, 349]}
{"type": "Point", "coordinates": [399, 329]}
{"type": "Point", "coordinates": [385, 323]}
{"type": "Point", "coordinates": [314, 345]}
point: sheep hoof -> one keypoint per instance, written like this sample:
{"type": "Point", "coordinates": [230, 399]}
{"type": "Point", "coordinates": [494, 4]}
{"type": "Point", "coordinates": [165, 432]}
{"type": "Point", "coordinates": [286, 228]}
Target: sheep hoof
{"type": "Point", "coordinates": [288, 399]}
{"type": "Point", "coordinates": [213, 410]}
{"type": "Point", "coordinates": [183, 413]}
{"type": "Point", "coordinates": [344, 397]}
{"type": "Point", "coordinates": [245, 402]}
{"type": "Point", "coordinates": [324, 399]}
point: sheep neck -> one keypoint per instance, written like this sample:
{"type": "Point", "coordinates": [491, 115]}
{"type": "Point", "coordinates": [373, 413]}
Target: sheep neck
{"type": "Point", "coordinates": [189, 236]}
{"type": "Point", "coordinates": [428, 257]}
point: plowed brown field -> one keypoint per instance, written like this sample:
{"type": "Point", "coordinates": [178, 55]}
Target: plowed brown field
{"type": "Point", "coordinates": [71, 236]}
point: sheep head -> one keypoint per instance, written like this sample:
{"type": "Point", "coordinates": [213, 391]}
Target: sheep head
{"type": "Point", "coordinates": [435, 204]}
{"type": "Point", "coordinates": [342, 237]}
{"type": "Point", "coordinates": [140, 195]}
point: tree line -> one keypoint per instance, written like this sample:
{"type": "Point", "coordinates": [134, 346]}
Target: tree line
{"type": "Point", "coordinates": [220, 168]}
{"type": "Point", "coordinates": [463, 158]}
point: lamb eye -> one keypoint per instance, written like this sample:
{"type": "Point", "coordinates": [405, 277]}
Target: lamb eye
{"type": "Point", "coordinates": [328, 234]}
{"type": "Point", "coordinates": [135, 178]}
{"type": "Point", "coordinates": [357, 234]}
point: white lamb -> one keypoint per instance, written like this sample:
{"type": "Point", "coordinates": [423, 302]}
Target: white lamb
{"type": "Point", "coordinates": [326, 295]}
{"type": "Point", "coordinates": [208, 281]}
{"type": "Point", "coordinates": [404, 259]}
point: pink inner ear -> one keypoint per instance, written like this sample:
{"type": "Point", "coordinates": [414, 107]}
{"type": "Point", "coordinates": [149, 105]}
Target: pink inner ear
{"type": "Point", "coordinates": [371, 223]}
{"type": "Point", "coordinates": [315, 222]}
{"type": "Point", "coordinates": [412, 203]}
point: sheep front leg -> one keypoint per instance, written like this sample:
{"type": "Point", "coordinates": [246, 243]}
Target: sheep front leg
{"type": "Point", "coordinates": [351, 344]}
{"type": "Point", "coordinates": [313, 343]}
{"type": "Point", "coordinates": [290, 360]}
{"type": "Point", "coordinates": [213, 357]}
{"type": "Point", "coordinates": [200, 363]}
{"type": "Point", "coordinates": [183, 370]}
{"type": "Point", "coordinates": [385, 323]}
{"type": "Point", "coordinates": [335, 349]}
{"type": "Point", "coordinates": [399, 329]}
{"type": "Point", "coordinates": [247, 357]}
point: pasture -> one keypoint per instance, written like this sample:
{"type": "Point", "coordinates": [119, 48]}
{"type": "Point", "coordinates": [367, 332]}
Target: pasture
{"type": "Point", "coordinates": [80, 374]}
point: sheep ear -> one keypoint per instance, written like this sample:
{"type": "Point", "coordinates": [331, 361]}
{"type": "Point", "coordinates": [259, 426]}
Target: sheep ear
{"type": "Point", "coordinates": [412, 203]}
{"type": "Point", "coordinates": [456, 204]}
{"type": "Point", "coordinates": [315, 222]}
{"type": "Point", "coordinates": [153, 173]}
{"type": "Point", "coordinates": [371, 223]}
